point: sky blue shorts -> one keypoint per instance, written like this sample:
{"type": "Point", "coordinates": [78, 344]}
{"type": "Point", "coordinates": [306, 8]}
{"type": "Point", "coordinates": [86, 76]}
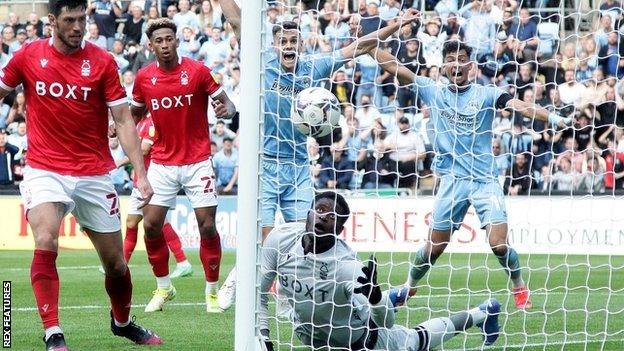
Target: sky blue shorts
{"type": "Point", "coordinates": [287, 188]}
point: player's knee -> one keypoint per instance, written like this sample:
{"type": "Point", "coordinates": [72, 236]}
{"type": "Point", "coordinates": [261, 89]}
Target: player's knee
{"type": "Point", "coordinates": [115, 268]}
{"type": "Point", "coordinates": [46, 241]}
{"type": "Point", "coordinates": [436, 251]}
{"type": "Point", "coordinates": [152, 228]}
{"type": "Point", "coordinates": [208, 229]}
{"type": "Point", "coordinates": [499, 248]}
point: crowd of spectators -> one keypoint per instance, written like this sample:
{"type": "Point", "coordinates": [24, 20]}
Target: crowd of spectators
{"type": "Point", "coordinates": [385, 139]}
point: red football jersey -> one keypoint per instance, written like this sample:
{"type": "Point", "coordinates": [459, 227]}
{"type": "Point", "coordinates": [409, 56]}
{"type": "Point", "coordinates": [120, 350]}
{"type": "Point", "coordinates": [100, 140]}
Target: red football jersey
{"type": "Point", "coordinates": [68, 99]}
{"type": "Point", "coordinates": [147, 134]}
{"type": "Point", "coordinates": [178, 103]}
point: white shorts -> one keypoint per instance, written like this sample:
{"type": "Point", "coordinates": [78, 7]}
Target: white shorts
{"type": "Point", "coordinates": [197, 180]}
{"type": "Point", "coordinates": [92, 199]}
{"type": "Point", "coordinates": [135, 202]}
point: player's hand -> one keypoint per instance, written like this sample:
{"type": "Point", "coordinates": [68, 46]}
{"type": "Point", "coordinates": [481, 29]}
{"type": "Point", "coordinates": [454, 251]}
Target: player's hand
{"type": "Point", "coordinates": [410, 16]}
{"type": "Point", "coordinates": [369, 287]}
{"type": "Point", "coordinates": [220, 109]}
{"type": "Point", "coordinates": [111, 130]}
{"type": "Point", "coordinates": [146, 190]}
{"type": "Point", "coordinates": [268, 345]}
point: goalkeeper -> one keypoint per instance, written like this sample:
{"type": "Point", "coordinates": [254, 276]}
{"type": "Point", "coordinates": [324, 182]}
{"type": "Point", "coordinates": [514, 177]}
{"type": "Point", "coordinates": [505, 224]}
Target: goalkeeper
{"type": "Point", "coordinates": [462, 114]}
{"type": "Point", "coordinates": [337, 302]}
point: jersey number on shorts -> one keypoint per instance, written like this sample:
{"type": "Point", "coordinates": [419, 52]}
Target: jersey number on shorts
{"type": "Point", "coordinates": [208, 188]}
{"type": "Point", "coordinates": [114, 210]}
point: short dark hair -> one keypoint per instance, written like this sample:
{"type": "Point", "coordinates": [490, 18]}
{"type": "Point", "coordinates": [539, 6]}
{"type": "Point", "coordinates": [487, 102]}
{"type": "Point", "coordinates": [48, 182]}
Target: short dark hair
{"type": "Point", "coordinates": [455, 46]}
{"type": "Point", "coordinates": [160, 23]}
{"type": "Point", "coordinates": [342, 207]}
{"type": "Point", "coordinates": [285, 25]}
{"type": "Point", "coordinates": [228, 139]}
{"type": "Point", "coordinates": [56, 6]}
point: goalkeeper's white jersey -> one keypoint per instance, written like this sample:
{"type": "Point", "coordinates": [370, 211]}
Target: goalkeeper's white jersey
{"type": "Point", "coordinates": [319, 288]}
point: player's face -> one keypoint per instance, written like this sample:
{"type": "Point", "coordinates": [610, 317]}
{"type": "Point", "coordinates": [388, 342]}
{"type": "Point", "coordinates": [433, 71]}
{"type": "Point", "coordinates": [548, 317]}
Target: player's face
{"type": "Point", "coordinates": [323, 219]}
{"type": "Point", "coordinates": [70, 26]}
{"type": "Point", "coordinates": [457, 66]}
{"type": "Point", "coordinates": [164, 43]}
{"type": "Point", "coordinates": [288, 44]}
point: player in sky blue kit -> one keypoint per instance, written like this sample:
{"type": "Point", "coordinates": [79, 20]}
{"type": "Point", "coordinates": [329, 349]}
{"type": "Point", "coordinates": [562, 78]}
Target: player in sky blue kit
{"type": "Point", "coordinates": [286, 183]}
{"type": "Point", "coordinates": [336, 301]}
{"type": "Point", "coordinates": [462, 114]}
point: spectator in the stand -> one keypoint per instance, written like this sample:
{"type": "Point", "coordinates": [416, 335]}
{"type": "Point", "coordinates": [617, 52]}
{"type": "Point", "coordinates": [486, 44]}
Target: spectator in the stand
{"type": "Point", "coordinates": [7, 159]}
{"type": "Point", "coordinates": [8, 38]}
{"type": "Point", "coordinates": [133, 27]}
{"type": "Point", "coordinates": [342, 88]}
{"type": "Point", "coordinates": [105, 14]}
{"type": "Point", "coordinates": [378, 168]}
{"type": "Point", "coordinates": [366, 113]}
{"type": "Point", "coordinates": [172, 10]}
{"type": "Point", "coordinates": [411, 56]}
{"type": "Point", "coordinates": [20, 39]}
{"type": "Point", "coordinates": [407, 150]}
{"type": "Point", "coordinates": [47, 30]}
{"type": "Point", "coordinates": [4, 113]}
{"type": "Point", "coordinates": [390, 9]}
{"type": "Point", "coordinates": [520, 181]}
{"type": "Point", "coordinates": [31, 33]}
{"type": "Point", "coordinates": [127, 81]}
{"type": "Point", "coordinates": [94, 37]}
{"type": "Point", "coordinates": [19, 139]}
{"type": "Point", "coordinates": [611, 56]}
{"type": "Point", "coordinates": [571, 91]}
{"type": "Point", "coordinates": [314, 157]}
{"type": "Point", "coordinates": [208, 16]}
{"type": "Point", "coordinates": [614, 160]}
{"type": "Point", "coordinates": [220, 132]}
{"type": "Point", "coordinates": [432, 40]}
{"type": "Point", "coordinates": [215, 51]}
{"type": "Point", "coordinates": [368, 70]}
{"type": "Point", "coordinates": [189, 46]}
{"type": "Point", "coordinates": [354, 144]}
{"type": "Point", "coordinates": [479, 28]}
{"type": "Point", "coordinates": [523, 37]}
{"type": "Point", "coordinates": [14, 22]}
{"type": "Point", "coordinates": [152, 13]}
{"type": "Point", "coordinates": [557, 105]}
{"type": "Point", "coordinates": [143, 58]}
{"type": "Point", "coordinates": [544, 181]}
{"type": "Point", "coordinates": [118, 54]}
{"type": "Point", "coordinates": [226, 168]}
{"type": "Point", "coordinates": [336, 170]}
{"type": "Point", "coordinates": [120, 177]}
{"type": "Point", "coordinates": [572, 154]}
{"type": "Point", "coordinates": [370, 19]}
{"type": "Point", "coordinates": [18, 110]}
{"type": "Point", "coordinates": [566, 178]}
{"type": "Point", "coordinates": [501, 161]}
{"type": "Point", "coordinates": [605, 26]}
{"type": "Point", "coordinates": [519, 139]}
{"type": "Point", "coordinates": [593, 179]}
{"type": "Point", "coordinates": [452, 28]}
{"type": "Point", "coordinates": [337, 32]}
{"type": "Point", "coordinates": [524, 80]}
{"type": "Point", "coordinates": [446, 8]}
{"type": "Point", "coordinates": [584, 71]}
{"type": "Point", "coordinates": [186, 17]}
{"type": "Point", "coordinates": [499, 8]}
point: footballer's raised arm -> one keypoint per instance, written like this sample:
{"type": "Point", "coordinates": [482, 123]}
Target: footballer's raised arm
{"type": "Point", "coordinates": [391, 65]}
{"type": "Point", "coordinates": [232, 13]}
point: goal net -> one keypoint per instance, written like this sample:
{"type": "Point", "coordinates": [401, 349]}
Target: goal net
{"type": "Point", "coordinates": [563, 187]}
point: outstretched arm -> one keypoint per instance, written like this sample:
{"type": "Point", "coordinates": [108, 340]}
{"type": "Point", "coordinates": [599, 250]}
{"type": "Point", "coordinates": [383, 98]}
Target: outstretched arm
{"type": "Point", "coordinates": [537, 112]}
{"type": "Point", "coordinates": [368, 42]}
{"type": "Point", "coordinates": [232, 13]}
{"type": "Point", "coordinates": [391, 65]}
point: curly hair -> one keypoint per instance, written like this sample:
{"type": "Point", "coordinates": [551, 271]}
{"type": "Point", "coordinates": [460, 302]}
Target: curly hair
{"type": "Point", "coordinates": [160, 23]}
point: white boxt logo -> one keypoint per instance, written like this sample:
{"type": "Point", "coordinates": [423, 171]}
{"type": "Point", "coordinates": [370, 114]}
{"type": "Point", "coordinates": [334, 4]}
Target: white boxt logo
{"type": "Point", "coordinates": [43, 62]}
{"type": "Point", "coordinates": [85, 69]}
{"type": "Point", "coordinates": [184, 78]}
{"type": "Point", "coordinates": [65, 90]}
{"type": "Point", "coordinates": [154, 81]}
{"type": "Point", "coordinates": [171, 102]}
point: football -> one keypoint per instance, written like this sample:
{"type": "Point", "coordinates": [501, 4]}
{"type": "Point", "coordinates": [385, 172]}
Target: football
{"type": "Point", "coordinates": [315, 112]}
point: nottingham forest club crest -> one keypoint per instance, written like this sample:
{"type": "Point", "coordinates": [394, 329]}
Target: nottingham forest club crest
{"type": "Point", "coordinates": [184, 78]}
{"type": "Point", "coordinates": [85, 69]}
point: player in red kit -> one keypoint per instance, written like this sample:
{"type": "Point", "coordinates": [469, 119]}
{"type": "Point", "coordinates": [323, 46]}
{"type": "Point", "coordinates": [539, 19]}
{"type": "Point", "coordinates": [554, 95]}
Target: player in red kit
{"type": "Point", "coordinates": [70, 85]}
{"type": "Point", "coordinates": [176, 91]}
{"type": "Point", "coordinates": [147, 134]}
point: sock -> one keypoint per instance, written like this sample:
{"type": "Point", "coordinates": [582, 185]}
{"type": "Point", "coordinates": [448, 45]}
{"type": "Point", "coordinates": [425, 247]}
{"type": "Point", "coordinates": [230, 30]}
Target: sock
{"type": "Point", "coordinates": [51, 331]}
{"type": "Point", "coordinates": [422, 263]}
{"type": "Point", "coordinates": [129, 242]}
{"type": "Point", "coordinates": [158, 255]}
{"type": "Point", "coordinates": [119, 290]}
{"type": "Point", "coordinates": [163, 282]}
{"type": "Point", "coordinates": [434, 332]}
{"type": "Point", "coordinates": [511, 263]}
{"type": "Point", "coordinates": [121, 325]}
{"type": "Point", "coordinates": [45, 284]}
{"type": "Point", "coordinates": [173, 241]}
{"type": "Point", "coordinates": [478, 315]}
{"type": "Point", "coordinates": [210, 255]}
{"type": "Point", "coordinates": [211, 288]}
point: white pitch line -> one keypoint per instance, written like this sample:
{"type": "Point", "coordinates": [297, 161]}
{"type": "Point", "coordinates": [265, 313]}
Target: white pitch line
{"type": "Point", "coordinates": [95, 307]}
{"type": "Point", "coordinates": [61, 268]}
{"type": "Point", "coordinates": [549, 343]}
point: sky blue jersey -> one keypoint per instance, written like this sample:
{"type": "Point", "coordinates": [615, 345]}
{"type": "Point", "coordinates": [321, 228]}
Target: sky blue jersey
{"type": "Point", "coordinates": [463, 127]}
{"type": "Point", "coordinates": [282, 140]}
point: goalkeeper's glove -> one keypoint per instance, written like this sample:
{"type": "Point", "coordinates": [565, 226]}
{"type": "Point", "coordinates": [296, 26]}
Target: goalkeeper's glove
{"type": "Point", "coordinates": [369, 287]}
{"type": "Point", "coordinates": [268, 345]}
{"type": "Point", "coordinates": [558, 121]}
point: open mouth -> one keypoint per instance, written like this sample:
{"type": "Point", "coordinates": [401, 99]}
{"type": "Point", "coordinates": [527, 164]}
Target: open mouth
{"type": "Point", "coordinates": [457, 74]}
{"type": "Point", "coordinates": [289, 56]}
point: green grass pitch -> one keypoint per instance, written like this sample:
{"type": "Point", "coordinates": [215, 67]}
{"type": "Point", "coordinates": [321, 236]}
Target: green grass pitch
{"type": "Point", "coordinates": [578, 303]}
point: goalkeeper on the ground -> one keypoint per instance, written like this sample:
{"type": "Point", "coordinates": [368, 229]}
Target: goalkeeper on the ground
{"type": "Point", "coordinates": [336, 301]}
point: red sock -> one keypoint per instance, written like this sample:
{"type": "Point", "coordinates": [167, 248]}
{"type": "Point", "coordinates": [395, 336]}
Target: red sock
{"type": "Point", "coordinates": [45, 283]}
{"type": "Point", "coordinates": [210, 255]}
{"type": "Point", "coordinates": [130, 242]}
{"type": "Point", "coordinates": [119, 290]}
{"type": "Point", "coordinates": [158, 255]}
{"type": "Point", "coordinates": [173, 241]}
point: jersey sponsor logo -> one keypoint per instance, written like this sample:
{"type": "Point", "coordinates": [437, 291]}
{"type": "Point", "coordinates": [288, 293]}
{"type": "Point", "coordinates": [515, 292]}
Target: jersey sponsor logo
{"type": "Point", "coordinates": [184, 78]}
{"type": "Point", "coordinates": [85, 69]}
{"type": "Point", "coordinates": [171, 102]}
{"type": "Point", "coordinates": [307, 290]}
{"type": "Point", "coordinates": [288, 89]}
{"type": "Point", "coordinates": [154, 81]}
{"type": "Point", "coordinates": [65, 90]}
{"type": "Point", "coordinates": [43, 62]}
